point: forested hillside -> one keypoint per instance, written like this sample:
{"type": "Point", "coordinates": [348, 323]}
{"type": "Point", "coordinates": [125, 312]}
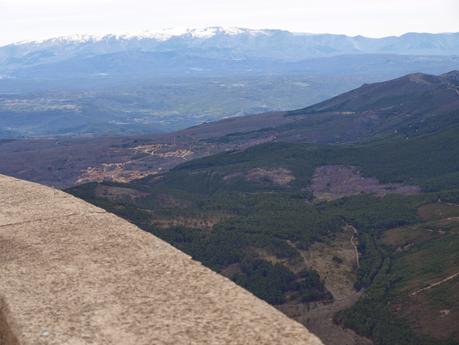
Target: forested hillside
{"type": "Point", "coordinates": [257, 216]}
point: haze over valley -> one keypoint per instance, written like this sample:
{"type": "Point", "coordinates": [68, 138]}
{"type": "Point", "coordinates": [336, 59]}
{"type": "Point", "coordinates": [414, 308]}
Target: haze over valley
{"type": "Point", "coordinates": [157, 82]}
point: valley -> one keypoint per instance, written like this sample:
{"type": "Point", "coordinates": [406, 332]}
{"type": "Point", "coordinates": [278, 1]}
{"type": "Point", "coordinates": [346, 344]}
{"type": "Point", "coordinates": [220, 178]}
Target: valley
{"type": "Point", "coordinates": [289, 247]}
{"type": "Point", "coordinates": [343, 215]}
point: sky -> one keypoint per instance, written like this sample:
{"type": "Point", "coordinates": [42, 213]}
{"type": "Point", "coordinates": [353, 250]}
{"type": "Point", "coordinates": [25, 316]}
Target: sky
{"type": "Point", "coordinates": [38, 19]}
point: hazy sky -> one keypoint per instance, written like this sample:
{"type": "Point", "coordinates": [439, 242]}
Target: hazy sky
{"type": "Point", "coordinates": [35, 19]}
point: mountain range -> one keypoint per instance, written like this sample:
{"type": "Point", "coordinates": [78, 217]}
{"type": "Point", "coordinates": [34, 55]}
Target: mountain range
{"type": "Point", "coordinates": [227, 44]}
{"type": "Point", "coordinates": [171, 80]}
{"type": "Point", "coordinates": [200, 52]}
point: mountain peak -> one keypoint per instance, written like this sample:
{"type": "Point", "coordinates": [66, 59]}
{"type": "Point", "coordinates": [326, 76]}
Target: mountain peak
{"type": "Point", "coordinates": [420, 78]}
{"type": "Point", "coordinates": [452, 75]}
{"type": "Point", "coordinates": [409, 91]}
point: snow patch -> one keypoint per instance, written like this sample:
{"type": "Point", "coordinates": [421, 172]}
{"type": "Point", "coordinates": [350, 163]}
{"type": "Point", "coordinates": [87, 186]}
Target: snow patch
{"type": "Point", "coordinates": [160, 35]}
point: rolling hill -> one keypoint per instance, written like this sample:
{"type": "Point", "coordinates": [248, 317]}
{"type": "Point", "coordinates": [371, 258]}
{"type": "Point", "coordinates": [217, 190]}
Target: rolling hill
{"type": "Point", "coordinates": [422, 104]}
{"type": "Point", "coordinates": [410, 105]}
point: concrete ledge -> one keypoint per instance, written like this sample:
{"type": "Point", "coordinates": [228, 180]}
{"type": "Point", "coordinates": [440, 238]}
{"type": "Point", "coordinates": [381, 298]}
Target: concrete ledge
{"type": "Point", "coordinates": [70, 273]}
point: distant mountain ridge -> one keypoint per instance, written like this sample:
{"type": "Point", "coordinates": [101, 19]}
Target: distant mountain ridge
{"type": "Point", "coordinates": [233, 43]}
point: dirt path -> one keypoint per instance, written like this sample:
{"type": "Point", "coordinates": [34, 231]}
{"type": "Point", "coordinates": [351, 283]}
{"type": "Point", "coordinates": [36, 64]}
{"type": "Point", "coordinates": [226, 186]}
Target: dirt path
{"type": "Point", "coordinates": [435, 284]}
{"type": "Point", "coordinates": [355, 243]}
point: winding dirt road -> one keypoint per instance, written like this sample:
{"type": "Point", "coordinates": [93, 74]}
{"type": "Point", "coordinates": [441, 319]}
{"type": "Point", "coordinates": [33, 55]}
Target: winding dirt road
{"type": "Point", "coordinates": [435, 284]}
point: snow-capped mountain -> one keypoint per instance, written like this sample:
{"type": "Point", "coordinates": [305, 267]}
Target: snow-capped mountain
{"type": "Point", "coordinates": [160, 35]}
{"type": "Point", "coordinates": [226, 44]}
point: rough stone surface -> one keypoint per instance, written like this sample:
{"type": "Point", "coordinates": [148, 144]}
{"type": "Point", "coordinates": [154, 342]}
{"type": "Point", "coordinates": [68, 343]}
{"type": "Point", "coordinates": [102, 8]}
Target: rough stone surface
{"type": "Point", "coordinates": [73, 274]}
